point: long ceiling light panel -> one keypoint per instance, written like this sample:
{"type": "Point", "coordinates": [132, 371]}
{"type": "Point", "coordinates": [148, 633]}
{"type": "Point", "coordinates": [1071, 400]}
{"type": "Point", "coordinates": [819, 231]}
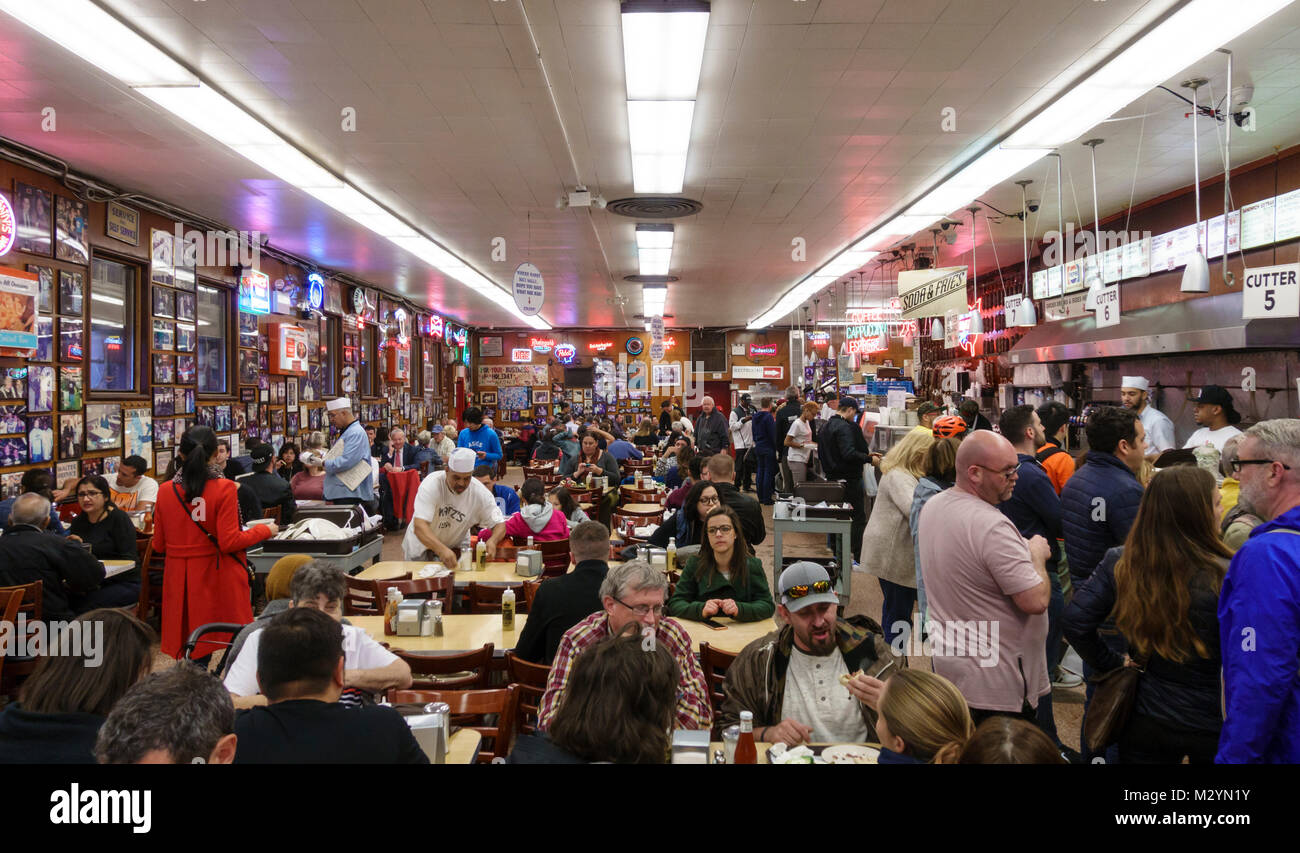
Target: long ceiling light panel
{"type": "Point", "coordinates": [663, 50]}
{"type": "Point", "coordinates": [1188, 34]}
{"type": "Point", "coordinates": [91, 33]}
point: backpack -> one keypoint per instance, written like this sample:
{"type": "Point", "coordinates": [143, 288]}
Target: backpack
{"type": "Point", "coordinates": [1047, 453]}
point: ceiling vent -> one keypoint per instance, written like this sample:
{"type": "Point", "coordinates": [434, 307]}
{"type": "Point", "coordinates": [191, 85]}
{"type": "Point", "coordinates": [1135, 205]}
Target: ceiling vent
{"type": "Point", "coordinates": [655, 207]}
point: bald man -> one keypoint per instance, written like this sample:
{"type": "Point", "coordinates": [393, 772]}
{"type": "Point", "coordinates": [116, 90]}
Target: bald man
{"type": "Point", "coordinates": [986, 586]}
{"type": "Point", "coordinates": [712, 429]}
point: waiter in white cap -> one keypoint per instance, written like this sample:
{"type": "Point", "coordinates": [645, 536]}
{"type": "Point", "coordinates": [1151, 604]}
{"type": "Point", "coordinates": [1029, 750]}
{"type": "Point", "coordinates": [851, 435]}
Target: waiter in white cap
{"type": "Point", "coordinates": [447, 505]}
{"type": "Point", "coordinates": [348, 471]}
{"type": "Point", "coordinates": [1135, 394]}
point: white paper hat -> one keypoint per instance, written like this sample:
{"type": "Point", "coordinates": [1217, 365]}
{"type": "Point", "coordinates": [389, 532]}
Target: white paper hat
{"type": "Point", "coordinates": [462, 461]}
{"type": "Point", "coordinates": [1137, 382]}
{"type": "Point", "coordinates": [338, 403]}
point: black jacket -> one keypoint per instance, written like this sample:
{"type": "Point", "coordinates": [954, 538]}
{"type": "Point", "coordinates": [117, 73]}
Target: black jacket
{"type": "Point", "coordinates": [751, 514]}
{"type": "Point", "coordinates": [539, 749]}
{"type": "Point", "coordinates": [271, 490]}
{"type": "Point", "coordinates": [785, 417]}
{"type": "Point", "coordinates": [843, 449]}
{"type": "Point", "coordinates": [307, 731]}
{"type": "Point", "coordinates": [31, 738]}
{"type": "Point", "coordinates": [1187, 693]}
{"type": "Point", "coordinates": [712, 433]}
{"type": "Point", "coordinates": [112, 538]}
{"type": "Point", "coordinates": [30, 554]}
{"type": "Point", "coordinates": [561, 603]}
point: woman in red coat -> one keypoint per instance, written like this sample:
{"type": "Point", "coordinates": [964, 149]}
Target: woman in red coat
{"type": "Point", "coordinates": [203, 581]}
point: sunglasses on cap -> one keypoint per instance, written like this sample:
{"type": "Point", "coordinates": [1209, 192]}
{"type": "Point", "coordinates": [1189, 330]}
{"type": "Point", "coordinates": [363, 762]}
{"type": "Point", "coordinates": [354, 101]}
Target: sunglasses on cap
{"type": "Point", "coordinates": [804, 589]}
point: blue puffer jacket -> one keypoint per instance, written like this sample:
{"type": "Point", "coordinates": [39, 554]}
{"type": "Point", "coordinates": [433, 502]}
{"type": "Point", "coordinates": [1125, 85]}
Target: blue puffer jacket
{"type": "Point", "coordinates": [926, 488]}
{"type": "Point", "coordinates": [1103, 476]}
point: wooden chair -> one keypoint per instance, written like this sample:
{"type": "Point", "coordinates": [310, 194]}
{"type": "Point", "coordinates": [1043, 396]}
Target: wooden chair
{"type": "Point", "coordinates": [31, 603]}
{"type": "Point", "coordinates": [9, 603]}
{"type": "Point", "coordinates": [550, 480]}
{"type": "Point", "coordinates": [642, 516]}
{"type": "Point", "coordinates": [714, 662]}
{"type": "Point", "coordinates": [272, 513]}
{"type": "Point", "coordinates": [631, 466]}
{"type": "Point", "coordinates": [555, 557]}
{"type": "Point", "coordinates": [485, 598]}
{"type": "Point", "coordinates": [529, 680]}
{"type": "Point", "coordinates": [463, 671]}
{"type": "Point", "coordinates": [637, 496]}
{"type": "Point", "coordinates": [530, 593]}
{"type": "Point", "coordinates": [367, 597]}
{"type": "Point", "coordinates": [148, 607]}
{"type": "Point", "coordinates": [581, 495]}
{"type": "Point", "coordinates": [473, 706]}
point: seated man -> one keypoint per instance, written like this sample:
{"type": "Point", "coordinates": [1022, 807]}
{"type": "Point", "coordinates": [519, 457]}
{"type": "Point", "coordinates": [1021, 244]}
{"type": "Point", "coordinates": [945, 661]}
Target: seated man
{"type": "Point", "coordinates": [38, 480]}
{"type": "Point", "coordinates": [791, 678]}
{"type": "Point", "coordinates": [28, 554]}
{"type": "Point", "coordinates": [400, 456]}
{"type": "Point", "coordinates": [623, 450]}
{"type": "Point", "coordinates": [178, 716]}
{"type": "Point", "coordinates": [268, 487]}
{"type": "Point", "coordinates": [565, 601]}
{"type": "Point", "coordinates": [506, 497]}
{"type": "Point", "coordinates": [632, 592]}
{"type": "Point", "coordinates": [300, 668]}
{"type": "Point", "coordinates": [368, 666]}
{"type": "Point", "coordinates": [447, 505]}
{"type": "Point", "coordinates": [131, 489]}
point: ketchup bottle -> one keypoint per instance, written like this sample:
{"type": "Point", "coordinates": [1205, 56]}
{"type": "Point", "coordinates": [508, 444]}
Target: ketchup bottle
{"type": "Point", "coordinates": [746, 751]}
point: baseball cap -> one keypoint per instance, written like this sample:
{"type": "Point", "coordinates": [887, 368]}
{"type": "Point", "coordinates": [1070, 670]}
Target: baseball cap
{"type": "Point", "coordinates": [462, 461]}
{"type": "Point", "coordinates": [261, 454]}
{"type": "Point", "coordinates": [926, 408]}
{"type": "Point", "coordinates": [1217, 395]}
{"type": "Point", "coordinates": [849, 402]}
{"type": "Point", "coordinates": [805, 574]}
{"type": "Point", "coordinates": [437, 428]}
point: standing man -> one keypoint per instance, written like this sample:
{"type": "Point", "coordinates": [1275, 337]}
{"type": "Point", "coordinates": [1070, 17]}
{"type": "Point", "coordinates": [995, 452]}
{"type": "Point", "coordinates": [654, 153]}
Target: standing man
{"type": "Point", "coordinates": [348, 471]}
{"type": "Point", "coordinates": [843, 450]}
{"type": "Point", "coordinates": [925, 415]}
{"type": "Point", "coordinates": [1215, 416]}
{"type": "Point", "coordinates": [400, 457]}
{"type": "Point", "coordinates": [710, 429]}
{"type": "Point", "coordinates": [981, 574]}
{"type": "Point", "coordinates": [1135, 394]}
{"type": "Point", "coordinates": [481, 439]}
{"type": "Point", "coordinates": [1100, 501]}
{"type": "Point", "coordinates": [764, 440]}
{"type": "Point", "coordinates": [785, 418]}
{"type": "Point", "coordinates": [1259, 605]}
{"type": "Point", "coordinates": [666, 418]}
{"type": "Point", "coordinates": [742, 438]}
{"type": "Point", "coordinates": [970, 413]}
{"type": "Point", "coordinates": [1056, 461]}
{"type": "Point", "coordinates": [447, 505]}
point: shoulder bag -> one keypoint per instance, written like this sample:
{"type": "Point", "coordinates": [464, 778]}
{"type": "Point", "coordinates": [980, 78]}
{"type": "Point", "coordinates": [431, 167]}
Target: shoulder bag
{"type": "Point", "coordinates": [213, 539]}
{"type": "Point", "coordinates": [1111, 705]}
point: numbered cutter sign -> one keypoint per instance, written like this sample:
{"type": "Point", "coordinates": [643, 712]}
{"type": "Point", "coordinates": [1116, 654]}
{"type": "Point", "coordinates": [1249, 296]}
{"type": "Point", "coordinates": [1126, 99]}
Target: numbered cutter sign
{"type": "Point", "coordinates": [1271, 292]}
{"type": "Point", "coordinates": [1107, 309]}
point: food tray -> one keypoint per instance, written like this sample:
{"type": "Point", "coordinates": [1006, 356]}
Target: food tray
{"type": "Point", "coordinates": [333, 547]}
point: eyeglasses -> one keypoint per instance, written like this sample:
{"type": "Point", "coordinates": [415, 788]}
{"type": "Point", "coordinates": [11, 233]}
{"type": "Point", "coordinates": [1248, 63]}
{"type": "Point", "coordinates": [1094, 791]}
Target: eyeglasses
{"type": "Point", "coordinates": [709, 501]}
{"type": "Point", "coordinates": [804, 589]}
{"type": "Point", "coordinates": [1237, 463]}
{"type": "Point", "coordinates": [642, 609]}
{"type": "Point", "coordinates": [81, 495]}
{"type": "Point", "coordinates": [726, 528]}
{"type": "Point", "coordinates": [1008, 473]}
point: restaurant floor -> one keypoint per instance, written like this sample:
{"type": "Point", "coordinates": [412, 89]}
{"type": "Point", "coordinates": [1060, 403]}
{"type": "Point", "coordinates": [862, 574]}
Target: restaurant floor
{"type": "Point", "coordinates": [866, 598]}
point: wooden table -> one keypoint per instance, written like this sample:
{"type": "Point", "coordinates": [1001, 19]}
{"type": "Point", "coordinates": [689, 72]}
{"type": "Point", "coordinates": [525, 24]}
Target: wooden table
{"type": "Point", "coordinates": [497, 572]}
{"type": "Point", "coordinates": [734, 637]}
{"type": "Point", "coordinates": [463, 748]}
{"type": "Point", "coordinates": [639, 508]}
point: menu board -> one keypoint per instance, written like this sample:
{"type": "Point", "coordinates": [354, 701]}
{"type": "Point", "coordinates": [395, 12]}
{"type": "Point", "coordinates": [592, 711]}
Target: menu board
{"type": "Point", "coordinates": [1074, 276]}
{"type": "Point", "coordinates": [1214, 242]}
{"type": "Point", "coordinates": [1287, 216]}
{"type": "Point", "coordinates": [1257, 224]}
{"type": "Point", "coordinates": [1040, 284]}
{"type": "Point", "coordinates": [1054, 278]}
{"type": "Point", "coordinates": [1169, 251]}
{"type": "Point", "coordinates": [1137, 259]}
{"type": "Point", "coordinates": [1112, 263]}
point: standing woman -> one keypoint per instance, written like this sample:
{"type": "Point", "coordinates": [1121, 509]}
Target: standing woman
{"type": "Point", "coordinates": [800, 441]}
{"type": "Point", "coordinates": [1163, 587]}
{"type": "Point", "coordinates": [723, 579]}
{"type": "Point", "coordinates": [197, 526]}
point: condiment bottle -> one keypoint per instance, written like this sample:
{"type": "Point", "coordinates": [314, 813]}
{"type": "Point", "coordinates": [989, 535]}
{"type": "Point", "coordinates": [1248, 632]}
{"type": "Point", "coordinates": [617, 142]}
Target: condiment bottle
{"type": "Point", "coordinates": [464, 562]}
{"type": "Point", "coordinates": [390, 611]}
{"type": "Point", "coordinates": [508, 610]}
{"type": "Point", "coordinates": [672, 553]}
{"type": "Point", "coordinates": [530, 543]}
{"type": "Point", "coordinates": [480, 555]}
{"type": "Point", "coordinates": [746, 751]}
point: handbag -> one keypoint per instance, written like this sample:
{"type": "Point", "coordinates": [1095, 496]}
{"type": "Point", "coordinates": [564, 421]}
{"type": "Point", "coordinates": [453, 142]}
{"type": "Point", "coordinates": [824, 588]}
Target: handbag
{"type": "Point", "coordinates": [1112, 702]}
{"type": "Point", "coordinates": [252, 578]}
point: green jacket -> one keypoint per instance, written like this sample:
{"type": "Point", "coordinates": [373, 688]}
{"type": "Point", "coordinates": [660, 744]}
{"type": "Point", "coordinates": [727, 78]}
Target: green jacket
{"type": "Point", "coordinates": [753, 604]}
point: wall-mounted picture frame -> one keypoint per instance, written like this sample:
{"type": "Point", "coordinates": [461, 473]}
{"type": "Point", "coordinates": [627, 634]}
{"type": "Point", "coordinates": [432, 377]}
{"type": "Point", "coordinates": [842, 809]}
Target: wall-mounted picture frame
{"type": "Point", "coordinates": [13, 420]}
{"type": "Point", "coordinates": [164, 369]}
{"type": "Point", "coordinates": [13, 383]}
{"type": "Point", "coordinates": [162, 257]}
{"type": "Point", "coordinates": [164, 335]}
{"type": "Point", "coordinates": [185, 307]}
{"type": "Point", "coordinates": [45, 280]}
{"type": "Point", "coordinates": [542, 397]}
{"type": "Point", "coordinates": [68, 471]}
{"type": "Point", "coordinates": [164, 402]}
{"type": "Point", "coordinates": [103, 426]}
{"type": "Point", "coordinates": [487, 398]}
{"type": "Point", "coordinates": [221, 418]}
{"type": "Point", "coordinates": [34, 215]}
{"type": "Point", "coordinates": [187, 339]}
{"type": "Point", "coordinates": [247, 330]}
{"type": "Point", "coordinates": [40, 388]}
{"type": "Point", "coordinates": [40, 438]}
{"type": "Point", "coordinates": [291, 392]}
{"type": "Point", "coordinates": [248, 368]}
{"type": "Point", "coordinates": [162, 433]}
{"type": "Point", "coordinates": [13, 451]}
{"type": "Point", "coordinates": [44, 338]}
{"type": "Point", "coordinates": [70, 389]}
{"type": "Point", "coordinates": [162, 461]}
{"type": "Point", "coordinates": [164, 302]}
{"type": "Point", "coordinates": [138, 433]}
{"type": "Point", "coordinates": [71, 293]}
{"type": "Point", "coordinates": [187, 369]}
{"type": "Point", "coordinates": [72, 339]}
{"type": "Point", "coordinates": [71, 224]}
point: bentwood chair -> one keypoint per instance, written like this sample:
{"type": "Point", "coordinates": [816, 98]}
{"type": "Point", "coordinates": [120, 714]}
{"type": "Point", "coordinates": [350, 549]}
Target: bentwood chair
{"type": "Point", "coordinates": [555, 557]}
{"type": "Point", "coordinates": [470, 709]}
{"type": "Point", "coordinates": [9, 604]}
{"type": "Point", "coordinates": [529, 680]}
{"type": "Point", "coordinates": [714, 662]}
{"type": "Point", "coordinates": [367, 597]}
{"type": "Point", "coordinates": [486, 598]}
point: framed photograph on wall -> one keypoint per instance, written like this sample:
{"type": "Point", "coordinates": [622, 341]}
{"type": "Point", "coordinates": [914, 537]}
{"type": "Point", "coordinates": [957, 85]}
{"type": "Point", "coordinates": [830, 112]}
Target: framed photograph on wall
{"type": "Point", "coordinates": [70, 385]}
{"type": "Point", "coordinates": [291, 392]}
{"type": "Point", "coordinates": [185, 303]}
{"type": "Point", "coordinates": [138, 433]}
{"type": "Point", "coordinates": [187, 369]}
{"type": "Point", "coordinates": [45, 278]}
{"type": "Point", "coordinates": [164, 335]}
{"type": "Point", "coordinates": [487, 398]}
{"type": "Point", "coordinates": [162, 461]}
{"type": "Point", "coordinates": [162, 258]}
{"type": "Point", "coordinates": [71, 338]}
{"type": "Point", "coordinates": [247, 330]}
{"type": "Point", "coordinates": [248, 367]}
{"type": "Point", "coordinates": [40, 438]}
{"type": "Point", "coordinates": [44, 338]}
{"type": "Point", "coordinates": [187, 338]}
{"type": "Point", "coordinates": [164, 369]}
{"type": "Point", "coordinates": [221, 418]}
{"type": "Point", "coordinates": [71, 224]}
{"type": "Point", "coordinates": [13, 383]}
{"type": "Point", "coordinates": [164, 302]}
{"type": "Point", "coordinates": [40, 387]}
{"type": "Point", "coordinates": [34, 212]}
{"type": "Point", "coordinates": [71, 290]}
{"type": "Point", "coordinates": [103, 426]}
{"type": "Point", "coordinates": [543, 397]}
{"type": "Point", "coordinates": [162, 433]}
{"type": "Point", "coordinates": [164, 404]}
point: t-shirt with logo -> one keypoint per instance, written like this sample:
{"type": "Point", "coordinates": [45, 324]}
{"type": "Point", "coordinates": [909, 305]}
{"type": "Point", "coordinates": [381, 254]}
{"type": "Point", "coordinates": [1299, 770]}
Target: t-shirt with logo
{"type": "Point", "coordinates": [144, 491]}
{"type": "Point", "coordinates": [1217, 437]}
{"type": "Point", "coordinates": [451, 515]}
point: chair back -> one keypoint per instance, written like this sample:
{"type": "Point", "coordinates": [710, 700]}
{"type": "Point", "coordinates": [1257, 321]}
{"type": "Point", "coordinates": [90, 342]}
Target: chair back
{"type": "Point", "coordinates": [149, 604]}
{"type": "Point", "coordinates": [530, 593]}
{"type": "Point", "coordinates": [714, 662]}
{"type": "Point", "coordinates": [529, 680]}
{"type": "Point", "coordinates": [630, 465]}
{"type": "Point", "coordinates": [471, 709]}
{"type": "Point", "coordinates": [555, 557]}
{"type": "Point", "coordinates": [629, 495]}
{"type": "Point", "coordinates": [272, 513]}
{"type": "Point", "coordinates": [486, 598]}
{"type": "Point", "coordinates": [9, 604]}
{"type": "Point", "coordinates": [367, 597]}
{"type": "Point", "coordinates": [31, 601]}
{"type": "Point", "coordinates": [200, 634]}
{"type": "Point", "coordinates": [462, 671]}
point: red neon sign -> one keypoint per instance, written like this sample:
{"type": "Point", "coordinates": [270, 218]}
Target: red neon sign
{"type": "Point", "coordinates": [762, 350]}
{"type": "Point", "coordinates": [600, 346]}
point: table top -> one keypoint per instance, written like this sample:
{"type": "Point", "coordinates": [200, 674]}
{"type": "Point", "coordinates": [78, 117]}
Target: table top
{"type": "Point", "coordinates": [640, 508]}
{"type": "Point", "coordinates": [499, 571]}
{"type": "Point", "coordinates": [463, 747]}
{"type": "Point", "coordinates": [113, 568]}
{"type": "Point", "coordinates": [759, 745]}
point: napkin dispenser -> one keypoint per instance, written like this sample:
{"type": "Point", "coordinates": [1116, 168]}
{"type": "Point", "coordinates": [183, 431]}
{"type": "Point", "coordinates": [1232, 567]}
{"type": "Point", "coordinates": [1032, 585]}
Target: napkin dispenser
{"type": "Point", "coordinates": [411, 613]}
{"type": "Point", "coordinates": [690, 746]}
{"type": "Point", "coordinates": [528, 562]}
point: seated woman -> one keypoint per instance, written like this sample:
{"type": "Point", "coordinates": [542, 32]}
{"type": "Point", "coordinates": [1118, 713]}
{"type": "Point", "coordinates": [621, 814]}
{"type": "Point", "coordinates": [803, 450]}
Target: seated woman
{"type": "Point", "coordinates": [645, 435]}
{"type": "Point", "coordinates": [618, 708]}
{"type": "Point", "coordinates": [68, 696]}
{"type": "Point", "coordinates": [1010, 740]}
{"type": "Point", "coordinates": [288, 464]}
{"type": "Point", "coordinates": [111, 536]}
{"type": "Point", "coordinates": [722, 579]}
{"type": "Point", "coordinates": [687, 526]}
{"type": "Point", "coordinates": [537, 517]}
{"type": "Point", "coordinates": [568, 507]}
{"type": "Point", "coordinates": [676, 475]}
{"type": "Point", "coordinates": [309, 483]}
{"type": "Point", "coordinates": [923, 719]}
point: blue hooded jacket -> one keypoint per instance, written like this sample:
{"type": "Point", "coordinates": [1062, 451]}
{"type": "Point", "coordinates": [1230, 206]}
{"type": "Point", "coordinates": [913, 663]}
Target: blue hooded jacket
{"type": "Point", "coordinates": [1098, 505]}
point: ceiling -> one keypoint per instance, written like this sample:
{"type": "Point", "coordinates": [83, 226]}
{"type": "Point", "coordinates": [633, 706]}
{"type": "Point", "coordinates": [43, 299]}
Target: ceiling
{"type": "Point", "coordinates": [814, 119]}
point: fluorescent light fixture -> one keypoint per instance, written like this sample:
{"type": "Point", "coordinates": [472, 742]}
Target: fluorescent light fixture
{"type": "Point", "coordinates": [655, 261]}
{"type": "Point", "coordinates": [988, 170]}
{"type": "Point", "coordinates": [653, 299]}
{"type": "Point", "coordinates": [660, 133]}
{"type": "Point", "coordinates": [663, 50]}
{"type": "Point", "coordinates": [654, 236]}
{"type": "Point", "coordinates": [84, 28]}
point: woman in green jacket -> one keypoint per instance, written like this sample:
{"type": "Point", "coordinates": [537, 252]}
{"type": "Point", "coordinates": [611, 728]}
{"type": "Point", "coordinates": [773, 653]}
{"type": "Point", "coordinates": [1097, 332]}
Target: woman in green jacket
{"type": "Point", "coordinates": [723, 579]}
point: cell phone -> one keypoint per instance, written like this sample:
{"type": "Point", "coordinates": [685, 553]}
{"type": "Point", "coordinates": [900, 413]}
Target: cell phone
{"type": "Point", "coordinates": [717, 626]}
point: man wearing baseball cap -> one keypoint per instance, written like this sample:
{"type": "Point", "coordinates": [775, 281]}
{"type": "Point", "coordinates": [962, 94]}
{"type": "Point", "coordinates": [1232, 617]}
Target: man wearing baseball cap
{"type": "Point", "coordinates": [811, 680]}
{"type": "Point", "coordinates": [843, 450]}
{"type": "Point", "coordinates": [1215, 416]}
{"type": "Point", "coordinates": [447, 505]}
{"type": "Point", "coordinates": [442, 443]}
{"type": "Point", "coordinates": [267, 486]}
{"type": "Point", "coordinates": [348, 469]}
{"type": "Point", "coordinates": [1135, 394]}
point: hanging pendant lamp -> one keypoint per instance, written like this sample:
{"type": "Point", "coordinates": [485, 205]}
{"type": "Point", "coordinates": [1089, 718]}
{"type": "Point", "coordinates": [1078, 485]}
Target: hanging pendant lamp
{"type": "Point", "coordinates": [936, 330]}
{"type": "Point", "coordinates": [1196, 275]}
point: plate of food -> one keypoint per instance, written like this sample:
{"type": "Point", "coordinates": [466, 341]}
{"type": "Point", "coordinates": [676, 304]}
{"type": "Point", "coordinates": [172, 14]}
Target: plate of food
{"type": "Point", "coordinates": [850, 753]}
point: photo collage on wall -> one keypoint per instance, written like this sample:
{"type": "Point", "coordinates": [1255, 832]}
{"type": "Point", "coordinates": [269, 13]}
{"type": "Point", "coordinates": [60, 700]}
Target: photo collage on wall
{"type": "Point", "coordinates": [173, 315]}
{"type": "Point", "coordinates": [274, 408]}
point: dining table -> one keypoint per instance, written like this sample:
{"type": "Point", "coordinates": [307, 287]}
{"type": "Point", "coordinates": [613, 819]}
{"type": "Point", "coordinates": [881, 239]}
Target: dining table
{"type": "Point", "coordinates": [496, 572]}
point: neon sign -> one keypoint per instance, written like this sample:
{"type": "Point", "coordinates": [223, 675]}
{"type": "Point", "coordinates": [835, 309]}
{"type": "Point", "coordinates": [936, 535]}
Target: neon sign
{"type": "Point", "coordinates": [566, 353]}
{"type": "Point", "coordinates": [762, 350]}
{"type": "Point", "coordinates": [819, 339]}
{"type": "Point", "coordinates": [542, 345]}
{"type": "Point", "coordinates": [459, 335]}
{"type": "Point", "coordinates": [8, 226]}
{"type": "Point", "coordinates": [435, 326]}
{"type": "Point", "coordinates": [315, 290]}
{"type": "Point", "coordinates": [521, 355]}
{"type": "Point", "coordinates": [600, 346]}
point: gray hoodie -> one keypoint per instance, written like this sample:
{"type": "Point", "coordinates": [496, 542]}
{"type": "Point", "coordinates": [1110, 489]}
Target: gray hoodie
{"type": "Point", "coordinates": [536, 516]}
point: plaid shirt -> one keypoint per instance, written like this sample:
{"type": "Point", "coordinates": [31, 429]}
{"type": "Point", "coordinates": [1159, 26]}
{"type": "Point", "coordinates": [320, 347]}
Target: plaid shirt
{"type": "Point", "coordinates": [694, 710]}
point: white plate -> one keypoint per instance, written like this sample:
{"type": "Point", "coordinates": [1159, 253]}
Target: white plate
{"type": "Point", "coordinates": [850, 753]}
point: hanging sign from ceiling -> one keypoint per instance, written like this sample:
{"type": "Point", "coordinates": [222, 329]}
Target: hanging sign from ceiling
{"type": "Point", "coordinates": [529, 288]}
{"type": "Point", "coordinates": [931, 293]}
{"type": "Point", "coordinates": [1271, 292]}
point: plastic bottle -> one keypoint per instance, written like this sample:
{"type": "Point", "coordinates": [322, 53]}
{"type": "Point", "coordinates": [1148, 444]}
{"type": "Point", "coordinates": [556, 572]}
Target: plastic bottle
{"type": "Point", "coordinates": [672, 553]}
{"type": "Point", "coordinates": [480, 556]}
{"type": "Point", "coordinates": [746, 751]}
{"type": "Point", "coordinates": [390, 611]}
{"type": "Point", "coordinates": [464, 564]}
{"type": "Point", "coordinates": [508, 610]}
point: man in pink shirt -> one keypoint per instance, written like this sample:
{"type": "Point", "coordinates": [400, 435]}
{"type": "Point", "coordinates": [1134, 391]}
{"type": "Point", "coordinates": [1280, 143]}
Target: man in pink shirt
{"type": "Point", "coordinates": [986, 587]}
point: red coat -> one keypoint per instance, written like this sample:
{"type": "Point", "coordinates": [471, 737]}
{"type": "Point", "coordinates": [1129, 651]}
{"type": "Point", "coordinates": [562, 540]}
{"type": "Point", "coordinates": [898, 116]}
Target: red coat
{"type": "Point", "coordinates": [196, 589]}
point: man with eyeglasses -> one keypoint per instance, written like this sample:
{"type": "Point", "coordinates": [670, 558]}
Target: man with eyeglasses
{"type": "Point", "coordinates": [632, 592]}
{"type": "Point", "coordinates": [791, 679]}
{"type": "Point", "coordinates": [1259, 605]}
{"type": "Point", "coordinates": [986, 587]}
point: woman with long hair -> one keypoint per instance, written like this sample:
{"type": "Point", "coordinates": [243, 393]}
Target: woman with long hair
{"type": "Point", "coordinates": [645, 434]}
{"type": "Point", "coordinates": [537, 516]}
{"type": "Point", "coordinates": [197, 525]}
{"type": "Point", "coordinates": [887, 549]}
{"type": "Point", "coordinates": [687, 526]}
{"type": "Point", "coordinates": [1163, 587]}
{"type": "Point", "coordinates": [923, 719]}
{"type": "Point", "coordinates": [288, 464]}
{"type": "Point", "coordinates": [567, 506]}
{"type": "Point", "coordinates": [111, 536]}
{"type": "Point", "coordinates": [1010, 740]}
{"type": "Point", "coordinates": [940, 474]}
{"type": "Point", "coordinates": [68, 695]}
{"type": "Point", "coordinates": [799, 441]}
{"type": "Point", "coordinates": [723, 579]}
{"type": "Point", "coordinates": [618, 707]}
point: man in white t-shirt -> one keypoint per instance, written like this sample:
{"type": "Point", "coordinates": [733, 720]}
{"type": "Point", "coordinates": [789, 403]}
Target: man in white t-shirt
{"type": "Point", "coordinates": [1215, 416]}
{"type": "Point", "coordinates": [131, 489]}
{"type": "Point", "coordinates": [447, 505]}
{"type": "Point", "coordinates": [367, 666]}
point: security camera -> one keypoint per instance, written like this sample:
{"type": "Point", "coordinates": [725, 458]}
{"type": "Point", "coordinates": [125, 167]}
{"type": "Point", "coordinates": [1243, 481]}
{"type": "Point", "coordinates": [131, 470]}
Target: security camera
{"type": "Point", "coordinates": [1032, 205]}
